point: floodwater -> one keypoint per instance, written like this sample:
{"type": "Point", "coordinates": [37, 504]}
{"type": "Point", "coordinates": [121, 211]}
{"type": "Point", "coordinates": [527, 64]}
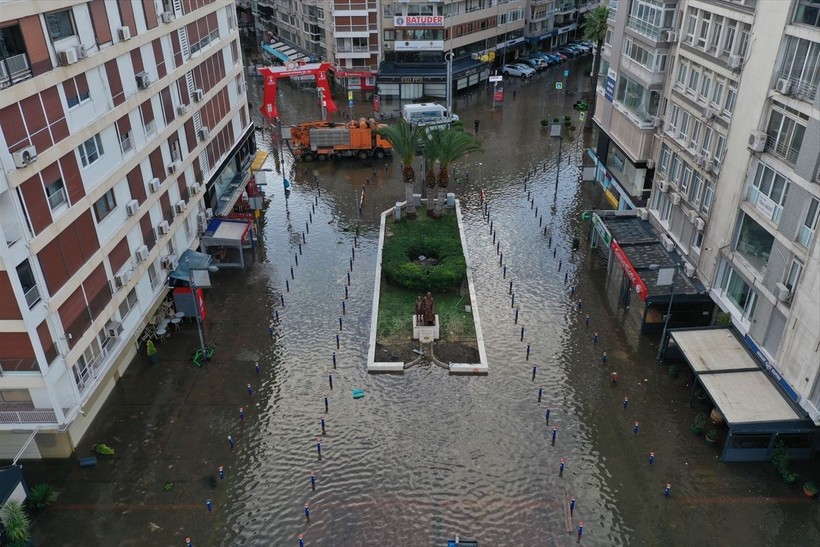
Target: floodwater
{"type": "Point", "coordinates": [425, 456]}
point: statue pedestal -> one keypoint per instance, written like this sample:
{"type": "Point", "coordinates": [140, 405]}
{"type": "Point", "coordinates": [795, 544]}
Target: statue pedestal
{"type": "Point", "coordinates": [424, 333]}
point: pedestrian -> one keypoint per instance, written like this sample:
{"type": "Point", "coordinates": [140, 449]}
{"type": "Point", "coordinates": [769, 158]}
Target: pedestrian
{"type": "Point", "coordinates": [515, 91]}
{"type": "Point", "coordinates": [613, 377]}
{"type": "Point", "coordinates": [476, 123]}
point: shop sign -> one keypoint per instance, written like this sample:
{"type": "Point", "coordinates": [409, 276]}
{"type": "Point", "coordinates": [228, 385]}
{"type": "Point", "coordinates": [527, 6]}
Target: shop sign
{"type": "Point", "coordinates": [640, 286]}
{"type": "Point", "coordinates": [419, 45]}
{"type": "Point", "coordinates": [602, 230]}
{"type": "Point", "coordinates": [769, 366]}
{"type": "Point", "coordinates": [419, 21]}
{"type": "Point", "coordinates": [765, 205]}
{"type": "Point", "coordinates": [609, 90]}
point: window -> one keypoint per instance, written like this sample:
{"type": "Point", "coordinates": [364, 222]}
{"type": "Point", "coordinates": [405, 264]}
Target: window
{"type": "Point", "coordinates": [666, 155]}
{"type": "Point", "coordinates": [674, 174]}
{"type": "Point", "coordinates": [152, 275]}
{"type": "Point", "coordinates": [720, 149]}
{"type": "Point", "coordinates": [704, 87]}
{"type": "Point", "coordinates": [642, 102]}
{"type": "Point", "coordinates": [681, 80]}
{"type": "Point", "coordinates": [673, 119]}
{"type": "Point", "coordinates": [60, 25]}
{"type": "Point", "coordinates": [731, 97]}
{"type": "Point", "coordinates": [691, 24]}
{"type": "Point", "coordinates": [717, 28]}
{"type": "Point", "coordinates": [128, 304]}
{"type": "Point", "coordinates": [666, 208]}
{"type": "Point", "coordinates": [738, 292]}
{"type": "Point", "coordinates": [809, 223]}
{"type": "Point", "coordinates": [708, 194]}
{"type": "Point", "coordinates": [794, 275]}
{"type": "Point", "coordinates": [694, 75]}
{"type": "Point", "coordinates": [706, 147]}
{"type": "Point", "coordinates": [697, 187]}
{"type": "Point", "coordinates": [125, 142]}
{"type": "Point", "coordinates": [729, 40]}
{"type": "Point", "coordinates": [807, 12]}
{"type": "Point", "coordinates": [705, 22]}
{"type": "Point", "coordinates": [785, 134]}
{"type": "Point", "coordinates": [29, 283]}
{"type": "Point", "coordinates": [694, 138]}
{"type": "Point", "coordinates": [754, 242]}
{"type": "Point", "coordinates": [768, 192]}
{"type": "Point", "coordinates": [91, 150]}
{"type": "Point", "coordinates": [717, 93]}
{"type": "Point", "coordinates": [697, 240]}
{"type": "Point", "coordinates": [684, 181]}
{"type": "Point", "coordinates": [104, 205]}
{"type": "Point", "coordinates": [76, 90]}
{"type": "Point", "coordinates": [801, 65]}
{"type": "Point", "coordinates": [55, 193]}
{"type": "Point", "coordinates": [683, 132]}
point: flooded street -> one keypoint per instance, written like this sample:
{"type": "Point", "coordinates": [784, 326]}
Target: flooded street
{"type": "Point", "coordinates": [426, 455]}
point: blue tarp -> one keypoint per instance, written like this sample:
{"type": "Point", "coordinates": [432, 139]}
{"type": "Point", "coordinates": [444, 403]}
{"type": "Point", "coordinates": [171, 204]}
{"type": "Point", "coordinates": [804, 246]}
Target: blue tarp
{"type": "Point", "coordinates": [276, 53]}
{"type": "Point", "coordinates": [191, 259]}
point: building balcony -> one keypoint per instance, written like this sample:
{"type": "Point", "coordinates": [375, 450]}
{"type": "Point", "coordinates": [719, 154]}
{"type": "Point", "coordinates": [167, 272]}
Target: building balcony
{"type": "Point", "coordinates": [14, 69]}
{"type": "Point", "coordinates": [799, 88]}
{"type": "Point", "coordinates": [646, 29]}
{"type": "Point", "coordinates": [782, 150]}
{"type": "Point", "coordinates": [25, 413]}
{"type": "Point", "coordinates": [12, 232]}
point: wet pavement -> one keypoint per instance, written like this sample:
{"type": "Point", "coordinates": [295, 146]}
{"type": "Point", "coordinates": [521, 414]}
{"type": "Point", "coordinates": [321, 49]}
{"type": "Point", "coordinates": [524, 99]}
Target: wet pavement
{"type": "Point", "coordinates": [423, 455]}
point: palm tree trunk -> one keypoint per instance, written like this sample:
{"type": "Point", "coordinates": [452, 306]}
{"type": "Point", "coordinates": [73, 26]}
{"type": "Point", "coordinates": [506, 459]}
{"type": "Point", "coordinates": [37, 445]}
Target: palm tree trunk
{"type": "Point", "coordinates": [593, 85]}
{"type": "Point", "coordinates": [430, 185]}
{"type": "Point", "coordinates": [443, 183]}
{"type": "Point", "coordinates": [409, 176]}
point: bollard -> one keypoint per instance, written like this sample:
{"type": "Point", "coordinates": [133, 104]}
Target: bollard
{"type": "Point", "coordinates": [580, 531]}
{"type": "Point", "coordinates": [307, 227]}
{"type": "Point", "coordinates": [296, 259]}
{"type": "Point", "coordinates": [498, 247]}
{"type": "Point", "coordinates": [209, 505]}
{"type": "Point", "coordinates": [494, 239]}
{"type": "Point", "coordinates": [346, 295]}
{"type": "Point", "coordinates": [545, 230]}
{"type": "Point", "coordinates": [554, 251]}
{"type": "Point", "coordinates": [522, 333]}
{"type": "Point", "coordinates": [307, 513]}
{"type": "Point", "coordinates": [528, 352]}
{"type": "Point", "coordinates": [571, 506]}
{"type": "Point", "coordinates": [353, 253]}
{"type": "Point", "coordinates": [304, 240]}
{"type": "Point", "coordinates": [282, 298]}
{"type": "Point", "coordinates": [528, 195]}
{"type": "Point", "coordinates": [534, 369]}
{"type": "Point", "coordinates": [241, 414]}
{"type": "Point", "coordinates": [501, 259]}
{"type": "Point", "coordinates": [334, 359]}
{"type": "Point", "coordinates": [221, 472]}
{"type": "Point", "coordinates": [549, 244]}
{"type": "Point", "coordinates": [668, 490]}
{"type": "Point", "coordinates": [540, 392]}
{"type": "Point", "coordinates": [548, 416]}
{"type": "Point", "coordinates": [635, 428]}
{"type": "Point", "coordinates": [595, 337]}
{"type": "Point", "coordinates": [319, 447]}
{"type": "Point", "coordinates": [344, 311]}
{"type": "Point", "coordinates": [348, 279]}
{"type": "Point", "coordinates": [512, 300]}
{"type": "Point", "coordinates": [312, 481]}
{"type": "Point", "coordinates": [230, 442]}
{"type": "Point", "coordinates": [291, 273]}
{"type": "Point", "coordinates": [310, 217]}
{"type": "Point", "coordinates": [586, 320]}
{"type": "Point", "coordinates": [326, 404]}
{"type": "Point", "coordinates": [340, 324]}
{"type": "Point", "coordinates": [322, 421]}
{"type": "Point", "coordinates": [301, 541]}
{"type": "Point", "coordinates": [651, 458]}
{"type": "Point", "coordinates": [511, 286]}
{"type": "Point", "coordinates": [561, 467]}
{"type": "Point", "coordinates": [560, 263]}
{"type": "Point", "coordinates": [516, 316]}
{"type": "Point", "coordinates": [276, 313]}
{"type": "Point", "coordinates": [257, 368]}
{"type": "Point", "coordinates": [536, 211]}
{"type": "Point", "coordinates": [330, 381]}
{"type": "Point", "coordinates": [188, 542]}
{"type": "Point", "coordinates": [250, 391]}
{"type": "Point", "coordinates": [491, 227]}
{"type": "Point", "coordinates": [504, 272]}
{"type": "Point", "coordinates": [337, 341]}
{"type": "Point", "coordinates": [351, 264]}
{"type": "Point", "coordinates": [626, 402]}
{"type": "Point", "coordinates": [566, 277]}
{"type": "Point", "coordinates": [287, 285]}
{"type": "Point", "coordinates": [572, 290]}
{"type": "Point", "coordinates": [604, 358]}
{"type": "Point", "coordinates": [540, 221]}
{"type": "Point", "coordinates": [554, 434]}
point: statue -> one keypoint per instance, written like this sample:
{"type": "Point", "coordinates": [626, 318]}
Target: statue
{"type": "Point", "coordinates": [428, 309]}
{"type": "Point", "coordinates": [419, 313]}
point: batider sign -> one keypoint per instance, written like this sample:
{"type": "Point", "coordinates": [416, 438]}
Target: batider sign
{"type": "Point", "coordinates": [418, 21]}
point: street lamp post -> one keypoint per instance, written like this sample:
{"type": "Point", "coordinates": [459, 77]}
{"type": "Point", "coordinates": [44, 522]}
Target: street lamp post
{"type": "Point", "coordinates": [449, 96]}
{"type": "Point", "coordinates": [196, 303]}
{"type": "Point", "coordinates": [666, 276]}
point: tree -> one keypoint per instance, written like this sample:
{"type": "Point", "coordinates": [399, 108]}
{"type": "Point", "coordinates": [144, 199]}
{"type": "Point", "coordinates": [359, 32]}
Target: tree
{"type": "Point", "coordinates": [454, 144]}
{"type": "Point", "coordinates": [405, 141]}
{"type": "Point", "coordinates": [431, 143]}
{"type": "Point", "coordinates": [595, 28]}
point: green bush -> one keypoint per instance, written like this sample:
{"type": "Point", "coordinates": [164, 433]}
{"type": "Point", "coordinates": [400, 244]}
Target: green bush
{"type": "Point", "coordinates": [16, 522]}
{"type": "Point", "coordinates": [433, 238]}
{"type": "Point", "coordinates": [41, 496]}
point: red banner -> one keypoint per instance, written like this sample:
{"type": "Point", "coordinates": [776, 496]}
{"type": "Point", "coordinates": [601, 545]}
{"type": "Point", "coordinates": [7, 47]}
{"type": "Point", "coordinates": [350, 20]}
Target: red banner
{"type": "Point", "coordinates": [498, 96]}
{"type": "Point", "coordinates": [640, 286]}
{"type": "Point", "coordinates": [272, 75]}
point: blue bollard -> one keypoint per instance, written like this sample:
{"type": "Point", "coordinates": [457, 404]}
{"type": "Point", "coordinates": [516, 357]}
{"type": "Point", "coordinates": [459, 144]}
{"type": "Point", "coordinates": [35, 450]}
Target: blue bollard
{"type": "Point", "coordinates": [580, 531]}
{"type": "Point", "coordinates": [534, 369]}
{"type": "Point", "coordinates": [604, 358]}
{"type": "Point", "coordinates": [312, 481]}
{"type": "Point", "coordinates": [571, 506]}
{"type": "Point", "coordinates": [230, 442]}
{"type": "Point", "coordinates": [668, 490]}
{"type": "Point", "coordinates": [595, 337]}
{"type": "Point", "coordinates": [334, 359]}
{"type": "Point", "coordinates": [307, 512]}
{"type": "Point", "coordinates": [326, 404]}
{"type": "Point", "coordinates": [188, 542]}
{"type": "Point", "coordinates": [586, 320]}
{"type": "Point", "coordinates": [221, 472]}
{"type": "Point", "coordinates": [554, 434]}
{"type": "Point", "coordinates": [330, 381]}
{"type": "Point", "coordinates": [250, 391]}
{"type": "Point", "coordinates": [540, 392]}
{"type": "Point", "coordinates": [241, 414]}
{"type": "Point", "coordinates": [635, 428]}
{"type": "Point", "coordinates": [651, 458]}
{"type": "Point", "coordinates": [626, 402]}
{"type": "Point", "coordinates": [548, 416]}
{"type": "Point", "coordinates": [209, 505]}
{"type": "Point", "coordinates": [257, 369]}
{"type": "Point", "coordinates": [276, 313]}
{"type": "Point", "coordinates": [561, 467]}
{"type": "Point", "coordinates": [322, 421]}
{"type": "Point", "coordinates": [301, 541]}
{"type": "Point", "coordinates": [319, 448]}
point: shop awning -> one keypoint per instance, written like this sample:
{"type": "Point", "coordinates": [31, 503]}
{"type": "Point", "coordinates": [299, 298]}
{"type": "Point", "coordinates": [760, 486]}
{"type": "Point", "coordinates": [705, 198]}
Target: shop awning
{"type": "Point", "coordinates": [275, 52]}
{"type": "Point", "coordinates": [258, 161]}
{"type": "Point", "coordinates": [738, 386]}
{"type": "Point", "coordinates": [190, 260]}
{"type": "Point", "coordinates": [222, 231]}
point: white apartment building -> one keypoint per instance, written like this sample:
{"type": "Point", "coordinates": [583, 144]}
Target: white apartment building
{"type": "Point", "coordinates": [120, 122]}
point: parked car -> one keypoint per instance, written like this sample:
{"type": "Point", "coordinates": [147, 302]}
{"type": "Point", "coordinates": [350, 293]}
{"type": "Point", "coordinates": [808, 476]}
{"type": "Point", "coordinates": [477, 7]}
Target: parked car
{"type": "Point", "coordinates": [582, 46]}
{"type": "Point", "coordinates": [556, 59]}
{"type": "Point", "coordinates": [518, 69]}
{"type": "Point", "coordinates": [568, 51]}
{"type": "Point", "coordinates": [548, 60]}
{"type": "Point", "coordinates": [562, 56]}
{"type": "Point", "coordinates": [538, 63]}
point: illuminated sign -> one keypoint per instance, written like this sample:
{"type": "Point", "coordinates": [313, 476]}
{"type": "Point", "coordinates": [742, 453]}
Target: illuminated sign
{"type": "Point", "coordinates": [419, 21]}
{"type": "Point", "coordinates": [640, 286]}
{"type": "Point", "coordinates": [419, 45]}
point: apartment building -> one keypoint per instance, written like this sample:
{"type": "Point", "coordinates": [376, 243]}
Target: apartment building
{"type": "Point", "coordinates": [120, 124]}
{"type": "Point", "coordinates": [737, 187]}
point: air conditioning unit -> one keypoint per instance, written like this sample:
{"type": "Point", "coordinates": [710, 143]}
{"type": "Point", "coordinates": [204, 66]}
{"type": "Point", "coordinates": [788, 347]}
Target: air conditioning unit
{"type": "Point", "coordinates": [142, 253]}
{"type": "Point", "coordinates": [643, 213]}
{"type": "Point", "coordinates": [180, 206]}
{"type": "Point", "coordinates": [170, 262]}
{"type": "Point", "coordinates": [200, 217]}
{"type": "Point", "coordinates": [182, 109]}
{"type": "Point", "coordinates": [153, 185]}
{"type": "Point", "coordinates": [163, 227]}
{"type": "Point", "coordinates": [757, 141]}
{"type": "Point", "coordinates": [166, 16]}
{"type": "Point", "coordinates": [198, 95]}
{"type": "Point", "coordinates": [657, 122]}
{"type": "Point", "coordinates": [709, 164]}
{"type": "Point", "coordinates": [715, 168]}
{"type": "Point", "coordinates": [132, 207]}
{"type": "Point", "coordinates": [699, 224]}
{"type": "Point", "coordinates": [121, 279]}
{"type": "Point", "coordinates": [173, 167]}
{"type": "Point", "coordinates": [671, 36]}
{"type": "Point", "coordinates": [388, 46]}
{"type": "Point", "coordinates": [675, 197]}
{"type": "Point", "coordinates": [143, 80]}
{"type": "Point", "coordinates": [784, 86]}
{"type": "Point", "coordinates": [209, 213]}
{"type": "Point", "coordinates": [193, 189]}
{"type": "Point", "coordinates": [25, 157]}
{"type": "Point", "coordinates": [668, 244]}
{"type": "Point", "coordinates": [699, 159]}
{"type": "Point", "coordinates": [783, 292]}
{"type": "Point", "coordinates": [734, 62]}
{"type": "Point", "coordinates": [693, 216]}
{"type": "Point", "coordinates": [67, 57]}
{"type": "Point", "coordinates": [709, 113]}
{"type": "Point", "coordinates": [81, 51]}
{"type": "Point", "coordinates": [113, 329]}
{"type": "Point", "coordinates": [124, 33]}
{"type": "Point", "coordinates": [663, 186]}
{"type": "Point", "coordinates": [689, 270]}
{"type": "Point", "coordinates": [650, 164]}
{"type": "Point", "coordinates": [475, 56]}
{"type": "Point", "coordinates": [205, 133]}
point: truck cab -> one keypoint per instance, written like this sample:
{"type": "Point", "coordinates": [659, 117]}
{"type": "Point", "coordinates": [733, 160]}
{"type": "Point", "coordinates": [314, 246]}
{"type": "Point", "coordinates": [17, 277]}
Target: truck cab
{"type": "Point", "coordinates": [432, 115]}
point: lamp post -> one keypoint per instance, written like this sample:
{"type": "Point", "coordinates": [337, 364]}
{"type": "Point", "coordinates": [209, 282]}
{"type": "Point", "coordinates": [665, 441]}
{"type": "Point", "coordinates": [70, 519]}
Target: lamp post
{"type": "Point", "coordinates": [666, 276]}
{"type": "Point", "coordinates": [196, 303]}
{"type": "Point", "coordinates": [449, 96]}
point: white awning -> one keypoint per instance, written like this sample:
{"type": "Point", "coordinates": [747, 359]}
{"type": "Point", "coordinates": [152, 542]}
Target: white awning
{"type": "Point", "coordinates": [712, 350]}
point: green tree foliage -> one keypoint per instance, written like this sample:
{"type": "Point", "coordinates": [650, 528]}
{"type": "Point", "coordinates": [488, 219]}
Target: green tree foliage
{"type": "Point", "coordinates": [595, 28]}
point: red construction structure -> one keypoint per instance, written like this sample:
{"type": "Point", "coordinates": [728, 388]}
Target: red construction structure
{"type": "Point", "coordinates": [272, 75]}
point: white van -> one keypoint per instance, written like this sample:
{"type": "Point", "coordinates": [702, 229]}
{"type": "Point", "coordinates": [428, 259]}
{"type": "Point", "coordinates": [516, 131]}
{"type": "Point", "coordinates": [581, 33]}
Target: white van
{"type": "Point", "coordinates": [427, 114]}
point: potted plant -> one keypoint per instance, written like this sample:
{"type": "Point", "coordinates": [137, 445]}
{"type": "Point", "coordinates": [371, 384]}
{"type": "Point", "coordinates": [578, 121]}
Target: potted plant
{"type": "Point", "coordinates": [151, 350]}
{"type": "Point", "coordinates": [810, 489]}
{"type": "Point", "coordinates": [16, 523]}
{"type": "Point", "coordinates": [700, 421]}
{"type": "Point", "coordinates": [712, 436]}
{"type": "Point", "coordinates": [724, 319]}
{"type": "Point", "coordinates": [41, 496]}
{"type": "Point", "coordinates": [789, 476]}
{"type": "Point", "coordinates": [544, 122]}
{"type": "Point", "coordinates": [673, 371]}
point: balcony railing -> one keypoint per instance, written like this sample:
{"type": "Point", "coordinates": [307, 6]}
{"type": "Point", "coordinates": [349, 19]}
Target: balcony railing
{"type": "Point", "coordinates": [356, 49]}
{"type": "Point", "coordinates": [782, 149]}
{"type": "Point", "coordinates": [32, 296]}
{"type": "Point", "coordinates": [28, 417]}
{"type": "Point", "coordinates": [805, 91]}
{"type": "Point", "coordinates": [14, 68]}
{"type": "Point", "coordinates": [12, 232]}
{"type": "Point", "coordinates": [56, 199]}
{"type": "Point", "coordinates": [642, 27]}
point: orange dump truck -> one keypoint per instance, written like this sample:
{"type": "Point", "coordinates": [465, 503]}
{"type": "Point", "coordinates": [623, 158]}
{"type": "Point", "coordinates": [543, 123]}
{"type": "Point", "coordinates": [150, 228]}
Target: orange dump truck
{"type": "Point", "coordinates": [324, 140]}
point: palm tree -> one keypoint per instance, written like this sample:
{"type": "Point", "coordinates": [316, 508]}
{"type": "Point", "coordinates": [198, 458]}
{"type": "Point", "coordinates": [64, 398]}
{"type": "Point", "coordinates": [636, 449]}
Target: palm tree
{"type": "Point", "coordinates": [595, 28]}
{"type": "Point", "coordinates": [431, 142]}
{"type": "Point", "coordinates": [454, 144]}
{"type": "Point", "coordinates": [405, 141]}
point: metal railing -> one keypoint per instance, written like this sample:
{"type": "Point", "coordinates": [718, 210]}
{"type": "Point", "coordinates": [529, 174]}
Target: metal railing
{"type": "Point", "coordinates": [28, 417]}
{"type": "Point", "coordinates": [782, 149]}
{"type": "Point", "coordinates": [12, 232]}
{"type": "Point", "coordinates": [32, 296]}
{"type": "Point", "coordinates": [642, 27]}
{"type": "Point", "coordinates": [56, 199]}
{"type": "Point", "coordinates": [805, 91]}
{"type": "Point", "coordinates": [15, 67]}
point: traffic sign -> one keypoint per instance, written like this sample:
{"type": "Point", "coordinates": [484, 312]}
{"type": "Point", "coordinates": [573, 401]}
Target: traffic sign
{"type": "Point", "coordinates": [559, 85]}
{"type": "Point", "coordinates": [566, 73]}
{"type": "Point", "coordinates": [496, 78]}
{"type": "Point", "coordinates": [349, 95]}
{"type": "Point", "coordinates": [350, 103]}
{"type": "Point", "coordinates": [582, 116]}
